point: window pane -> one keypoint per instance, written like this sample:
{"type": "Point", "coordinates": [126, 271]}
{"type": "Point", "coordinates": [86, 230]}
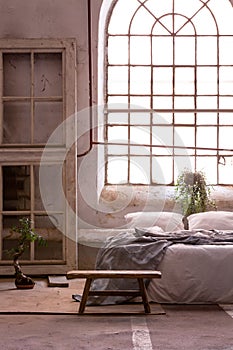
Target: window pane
{"type": "Point", "coordinates": [162, 53]}
{"type": "Point", "coordinates": [162, 135]}
{"type": "Point", "coordinates": [226, 102]}
{"type": "Point", "coordinates": [205, 102]}
{"type": "Point", "coordinates": [140, 170]}
{"type": "Point", "coordinates": [116, 133]}
{"type": "Point", "coordinates": [207, 81]}
{"type": "Point", "coordinates": [117, 80]}
{"type": "Point", "coordinates": [184, 102]}
{"type": "Point", "coordinates": [162, 118]}
{"type": "Point", "coordinates": [52, 200]}
{"type": "Point", "coordinates": [117, 150]}
{"type": "Point", "coordinates": [117, 170]}
{"type": "Point", "coordinates": [183, 163]}
{"type": "Point", "coordinates": [38, 204]}
{"type": "Point", "coordinates": [207, 137]}
{"type": "Point", "coordinates": [139, 150]}
{"type": "Point", "coordinates": [115, 101]}
{"type": "Point", "coordinates": [16, 122]}
{"type": "Point", "coordinates": [207, 118]}
{"type": "Point", "coordinates": [140, 101]}
{"type": "Point", "coordinates": [140, 80]}
{"type": "Point", "coordinates": [184, 118]}
{"type": "Point", "coordinates": [16, 188]}
{"type": "Point", "coordinates": [140, 135]}
{"type": "Point", "coordinates": [184, 81]}
{"type": "Point", "coordinates": [162, 170]}
{"type": "Point", "coordinates": [225, 50]}
{"type": "Point", "coordinates": [16, 74]}
{"type": "Point", "coordinates": [118, 50]}
{"type": "Point", "coordinates": [225, 118]}
{"type": "Point", "coordinates": [225, 137]}
{"type": "Point", "coordinates": [162, 81]}
{"type": "Point", "coordinates": [226, 170]}
{"type": "Point", "coordinates": [140, 118]}
{"type": "Point", "coordinates": [226, 80]}
{"type": "Point", "coordinates": [160, 149]}
{"type": "Point", "coordinates": [54, 238]}
{"type": "Point", "coordinates": [140, 50]}
{"type": "Point", "coordinates": [117, 118]}
{"type": "Point", "coordinates": [184, 137]}
{"type": "Point", "coordinates": [206, 50]}
{"type": "Point", "coordinates": [209, 166]}
{"type": "Point", "coordinates": [184, 50]}
{"type": "Point", "coordinates": [162, 102]}
{"type": "Point", "coordinates": [48, 74]}
{"type": "Point", "coordinates": [48, 116]}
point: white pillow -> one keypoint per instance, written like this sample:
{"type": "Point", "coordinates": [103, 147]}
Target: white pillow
{"type": "Point", "coordinates": [210, 220]}
{"type": "Point", "coordinates": [168, 221]}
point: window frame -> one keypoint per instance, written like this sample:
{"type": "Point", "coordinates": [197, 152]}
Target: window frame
{"type": "Point", "coordinates": [220, 152]}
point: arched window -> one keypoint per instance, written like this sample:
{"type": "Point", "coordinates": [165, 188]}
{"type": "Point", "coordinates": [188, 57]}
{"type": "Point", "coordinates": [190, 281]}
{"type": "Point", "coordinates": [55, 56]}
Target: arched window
{"type": "Point", "coordinates": [168, 90]}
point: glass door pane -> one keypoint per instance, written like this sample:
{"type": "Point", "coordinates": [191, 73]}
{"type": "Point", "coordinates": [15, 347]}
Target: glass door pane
{"type": "Point", "coordinates": [16, 188]}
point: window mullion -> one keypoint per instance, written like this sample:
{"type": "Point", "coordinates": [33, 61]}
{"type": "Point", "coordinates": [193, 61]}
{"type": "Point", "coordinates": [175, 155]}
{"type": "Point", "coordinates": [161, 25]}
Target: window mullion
{"type": "Point", "coordinates": [129, 90]}
{"type": "Point", "coordinates": [1, 95]}
{"type": "Point", "coordinates": [32, 102]}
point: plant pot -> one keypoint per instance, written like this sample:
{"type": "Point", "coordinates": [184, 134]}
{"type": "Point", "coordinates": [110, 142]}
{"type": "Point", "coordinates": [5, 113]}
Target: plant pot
{"type": "Point", "coordinates": [24, 286]}
{"type": "Point", "coordinates": [24, 282]}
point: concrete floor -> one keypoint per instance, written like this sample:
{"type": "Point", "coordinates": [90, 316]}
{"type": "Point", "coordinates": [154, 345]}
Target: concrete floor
{"type": "Point", "coordinates": [189, 327]}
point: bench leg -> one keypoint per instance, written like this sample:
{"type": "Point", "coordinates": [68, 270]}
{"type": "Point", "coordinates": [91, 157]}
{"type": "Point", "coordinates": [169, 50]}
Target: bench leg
{"type": "Point", "coordinates": [85, 295]}
{"type": "Point", "coordinates": [144, 295]}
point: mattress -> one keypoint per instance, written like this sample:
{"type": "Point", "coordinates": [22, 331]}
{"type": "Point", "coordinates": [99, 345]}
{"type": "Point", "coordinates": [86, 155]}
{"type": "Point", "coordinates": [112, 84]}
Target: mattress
{"type": "Point", "coordinates": [194, 274]}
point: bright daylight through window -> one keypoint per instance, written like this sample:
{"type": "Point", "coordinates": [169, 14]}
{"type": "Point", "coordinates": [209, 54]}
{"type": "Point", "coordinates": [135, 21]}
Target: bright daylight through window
{"type": "Point", "coordinates": [169, 91]}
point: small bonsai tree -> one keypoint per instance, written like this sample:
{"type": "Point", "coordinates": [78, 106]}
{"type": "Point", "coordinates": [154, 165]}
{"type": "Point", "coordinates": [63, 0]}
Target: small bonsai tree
{"type": "Point", "coordinates": [26, 235]}
{"type": "Point", "coordinates": [193, 193]}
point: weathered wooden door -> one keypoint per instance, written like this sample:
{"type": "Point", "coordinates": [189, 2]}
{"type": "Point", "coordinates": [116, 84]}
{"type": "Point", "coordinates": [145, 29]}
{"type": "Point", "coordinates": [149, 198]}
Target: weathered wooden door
{"type": "Point", "coordinates": [38, 99]}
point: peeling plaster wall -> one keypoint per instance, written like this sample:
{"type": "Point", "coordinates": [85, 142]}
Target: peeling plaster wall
{"type": "Point", "coordinates": [116, 201]}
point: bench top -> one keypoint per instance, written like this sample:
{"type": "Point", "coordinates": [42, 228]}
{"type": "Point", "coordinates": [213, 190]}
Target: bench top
{"type": "Point", "coordinates": [113, 274]}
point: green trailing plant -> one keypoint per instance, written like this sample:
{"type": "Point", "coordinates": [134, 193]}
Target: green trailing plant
{"type": "Point", "coordinates": [193, 193]}
{"type": "Point", "coordinates": [26, 235]}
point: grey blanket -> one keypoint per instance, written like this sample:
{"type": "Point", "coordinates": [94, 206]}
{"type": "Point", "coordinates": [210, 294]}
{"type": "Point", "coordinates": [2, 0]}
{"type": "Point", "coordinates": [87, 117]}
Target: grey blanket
{"type": "Point", "coordinates": [143, 251]}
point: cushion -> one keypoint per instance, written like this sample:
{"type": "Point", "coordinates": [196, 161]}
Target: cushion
{"type": "Point", "coordinates": [168, 221]}
{"type": "Point", "coordinates": [211, 220]}
{"type": "Point", "coordinates": [154, 230]}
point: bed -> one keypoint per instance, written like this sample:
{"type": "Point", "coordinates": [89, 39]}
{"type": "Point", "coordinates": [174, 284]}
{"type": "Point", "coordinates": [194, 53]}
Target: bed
{"type": "Point", "coordinates": [196, 262]}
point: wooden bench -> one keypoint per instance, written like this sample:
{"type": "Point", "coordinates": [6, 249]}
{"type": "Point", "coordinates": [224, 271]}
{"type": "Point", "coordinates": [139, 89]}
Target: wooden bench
{"type": "Point", "coordinates": [90, 275]}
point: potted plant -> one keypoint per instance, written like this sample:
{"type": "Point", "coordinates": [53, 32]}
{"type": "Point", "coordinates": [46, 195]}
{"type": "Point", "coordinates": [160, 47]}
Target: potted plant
{"type": "Point", "coordinates": [193, 193]}
{"type": "Point", "coordinates": [26, 234]}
